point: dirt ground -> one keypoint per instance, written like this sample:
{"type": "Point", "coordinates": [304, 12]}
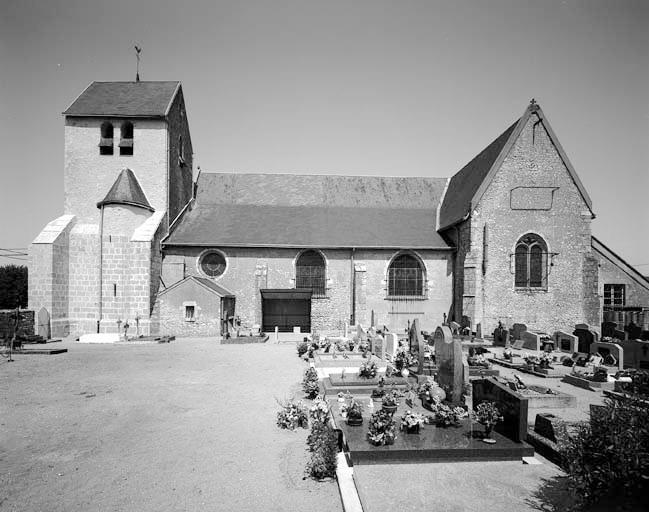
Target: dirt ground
{"type": "Point", "coordinates": [188, 425]}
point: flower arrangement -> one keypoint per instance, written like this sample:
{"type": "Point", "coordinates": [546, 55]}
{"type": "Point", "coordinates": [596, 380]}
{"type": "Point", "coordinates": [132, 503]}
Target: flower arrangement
{"type": "Point", "coordinates": [368, 370]}
{"type": "Point", "coordinates": [412, 421]}
{"type": "Point", "coordinates": [403, 359]}
{"type": "Point", "coordinates": [310, 383]}
{"type": "Point", "coordinates": [391, 399]}
{"type": "Point", "coordinates": [292, 415]}
{"type": "Point", "coordinates": [302, 348]}
{"type": "Point", "coordinates": [478, 360]}
{"type": "Point", "coordinates": [319, 411]}
{"type": "Point", "coordinates": [487, 414]}
{"type": "Point", "coordinates": [381, 429]}
{"type": "Point", "coordinates": [430, 390]}
{"type": "Point", "coordinates": [445, 415]}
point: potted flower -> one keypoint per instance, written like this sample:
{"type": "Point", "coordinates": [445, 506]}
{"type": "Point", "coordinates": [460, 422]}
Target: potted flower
{"type": "Point", "coordinates": [411, 422]}
{"type": "Point", "coordinates": [430, 391]}
{"type": "Point", "coordinates": [310, 383]}
{"type": "Point", "coordinates": [368, 370]}
{"type": "Point", "coordinates": [487, 414]}
{"type": "Point", "coordinates": [390, 402]}
{"type": "Point", "coordinates": [354, 414]}
{"type": "Point", "coordinates": [381, 429]}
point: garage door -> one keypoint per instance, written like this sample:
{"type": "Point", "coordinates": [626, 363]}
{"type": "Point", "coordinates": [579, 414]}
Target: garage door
{"type": "Point", "coordinates": [286, 309]}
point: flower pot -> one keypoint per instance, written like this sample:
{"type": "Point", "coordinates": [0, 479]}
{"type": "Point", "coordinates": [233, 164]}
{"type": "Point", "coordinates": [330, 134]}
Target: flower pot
{"type": "Point", "coordinates": [414, 429]}
{"type": "Point", "coordinates": [354, 421]}
{"type": "Point", "coordinates": [405, 372]}
{"type": "Point", "coordinates": [389, 408]}
{"type": "Point", "coordinates": [487, 435]}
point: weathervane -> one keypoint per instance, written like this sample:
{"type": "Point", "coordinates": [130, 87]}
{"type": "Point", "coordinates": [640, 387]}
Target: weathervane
{"type": "Point", "coordinates": [138, 50]}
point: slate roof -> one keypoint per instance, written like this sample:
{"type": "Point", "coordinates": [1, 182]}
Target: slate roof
{"type": "Point", "coordinates": [243, 225]}
{"type": "Point", "coordinates": [207, 283]}
{"type": "Point", "coordinates": [464, 185]}
{"type": "Point", "coordinates": [126, 190]}
{"type": "Point", "coordinates": [124, 99]}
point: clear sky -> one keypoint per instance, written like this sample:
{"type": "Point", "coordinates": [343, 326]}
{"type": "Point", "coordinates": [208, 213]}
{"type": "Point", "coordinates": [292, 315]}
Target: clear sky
{"type": "Point", "coordinates": [407, 88]}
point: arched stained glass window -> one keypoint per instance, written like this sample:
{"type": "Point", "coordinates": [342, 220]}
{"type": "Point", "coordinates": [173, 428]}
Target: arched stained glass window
{"type": "Point", "coordinates": [310, 272]}
{"type": "Point", "coordinates": [531, 261]}
{"type": "Point", "coordinates": [405, 277]}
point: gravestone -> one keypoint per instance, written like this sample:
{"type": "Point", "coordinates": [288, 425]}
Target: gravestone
{"type": "Point", "coordinates": [605, 348]}
{"type": "Point", "coordinates": [500, 335]}
{"type": "Point", "coordinates": [535, 340]}
{"type": "Point", "coordinates": [516, 330]}
{"type": "Point", "coordinates": [450, 365]}
{"type": "Point", "coordinates": [378, 347]}
{"type": "Point", "coordinates": [636, 354]}
{"type": "Point", "coordinates": [585, 336]}
{"type": "Point", "coordinates": [608, 329]}
{"type": "Point", "coordinates": [478, 330]}
{"type": "Point", "coordinates": [43, 322]}
{"type": "Point", "coordinates": [518, 345]}
{"type": "Point", "coordinates": [635, 331]}
{"type": "Point", "coordinates": [565, 342]}
{"type": "Point", "coordinates": [414, 336]}
{"type": "Point", "coordinates": [391, 345]}
{"type": "Point", "coordinates": [511, 404]}
{"type": "Point", "coordinates": [361, 335]}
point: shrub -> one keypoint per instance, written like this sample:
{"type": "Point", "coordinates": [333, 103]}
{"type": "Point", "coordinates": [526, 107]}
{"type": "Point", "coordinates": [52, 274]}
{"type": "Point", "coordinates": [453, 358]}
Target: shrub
{"type": "Point", "coordinates": [292, 415]}
{"type": "Point", "coordinates": [639, 384]}
{"type": "Point", "coordinates": [310, 383]}
{"type": "Point", "coordinates": [607, 460]}
{"type": "Point", "coordinates": [323, 444]}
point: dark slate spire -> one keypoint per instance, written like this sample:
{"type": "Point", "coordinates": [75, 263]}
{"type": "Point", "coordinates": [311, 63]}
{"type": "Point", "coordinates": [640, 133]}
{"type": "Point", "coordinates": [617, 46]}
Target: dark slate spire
{"type": "Point", "coordinates": [126, 190]}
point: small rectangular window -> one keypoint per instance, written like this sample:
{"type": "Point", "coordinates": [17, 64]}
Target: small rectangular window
{"type": "Point", "coordinates": [614, 295]}
{"type": "Point", "coordinates": [189, 313]}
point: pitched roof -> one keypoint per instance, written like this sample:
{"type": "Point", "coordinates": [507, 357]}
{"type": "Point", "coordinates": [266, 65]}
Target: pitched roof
{"type": "Point", "coordinates": [126, 190]}
{"type": "Point", "coordinates": [467, 186]}
{"type": "Point", "coordinates": [463, 186]}
{"type": "Point", "coordinates": [617, 260]}
{"type": "Point", "coordinates": [124, 99]}
{"type": "Point", "coordinates": [210, 285]}
{"type": "Point", "coordinates": [243, 225]}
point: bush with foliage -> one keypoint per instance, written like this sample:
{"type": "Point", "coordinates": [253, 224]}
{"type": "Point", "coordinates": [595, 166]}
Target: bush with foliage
{"type": "Point", "coordinates": [322, 442]}
{"type": "Point", "coordinates": [639, 385]}
{"type": "Point", "coordinates": [13, 286]}
{"type": "Point", "coordinates": [310, 383]}
{"type": "Point", "coordinates": [292, 415]}
{"type": "Point", "coordinates": [607, 460]}
{"type": "Point", "coordinates": [381, 429]}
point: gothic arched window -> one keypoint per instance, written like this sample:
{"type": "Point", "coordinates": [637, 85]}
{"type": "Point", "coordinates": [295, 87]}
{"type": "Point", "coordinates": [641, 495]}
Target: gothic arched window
{"type": "Point", "coordinates": [106, 139]}
{"type": "Point", "coordinates": [405, 277]}
{"type": "Point", "coordinates": [530, 262]}
{"type": "Point", "coordinates": [310, 272]}
{"type": "Point", "coordinates": [126, 142]}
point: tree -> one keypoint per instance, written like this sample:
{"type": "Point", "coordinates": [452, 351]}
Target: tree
{"type": "Point", "coordinates": [13, 286]}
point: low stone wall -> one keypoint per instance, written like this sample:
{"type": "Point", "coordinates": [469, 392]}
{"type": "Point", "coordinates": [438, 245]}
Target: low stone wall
{"type": "Point", "coordinates": [25, 322]}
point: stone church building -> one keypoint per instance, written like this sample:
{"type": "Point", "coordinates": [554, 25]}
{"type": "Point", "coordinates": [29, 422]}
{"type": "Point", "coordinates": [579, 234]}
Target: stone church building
{"type": "Point", "coordinates": [506, 238]}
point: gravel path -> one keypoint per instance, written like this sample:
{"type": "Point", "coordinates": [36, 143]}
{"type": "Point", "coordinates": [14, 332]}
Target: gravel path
{"type": "Point", "coordinates": [184, 426]}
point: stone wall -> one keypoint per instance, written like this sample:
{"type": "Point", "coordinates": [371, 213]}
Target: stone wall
{"type": "Point", "coordinates": [561, 218]}
{"type": "Point", "coordinates": [251, 269]}
{"type": "Point", "coordinates": [89, 175]}
{"type": "Point", "coordinates": [49, 272]}
{"type": "Point", "coordinates": [180, 171]}
{"type": "Point", "coordinates": [637, 291]}
{"type": "Point", "coordinates": [207, 310]}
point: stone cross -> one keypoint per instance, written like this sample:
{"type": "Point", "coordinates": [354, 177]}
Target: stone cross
{"type": "Point", "coordinates": [450, 365]}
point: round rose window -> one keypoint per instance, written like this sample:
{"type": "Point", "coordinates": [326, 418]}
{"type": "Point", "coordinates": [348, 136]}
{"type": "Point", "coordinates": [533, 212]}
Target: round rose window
{"type": "Point", "coordinates": [213, 264]}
